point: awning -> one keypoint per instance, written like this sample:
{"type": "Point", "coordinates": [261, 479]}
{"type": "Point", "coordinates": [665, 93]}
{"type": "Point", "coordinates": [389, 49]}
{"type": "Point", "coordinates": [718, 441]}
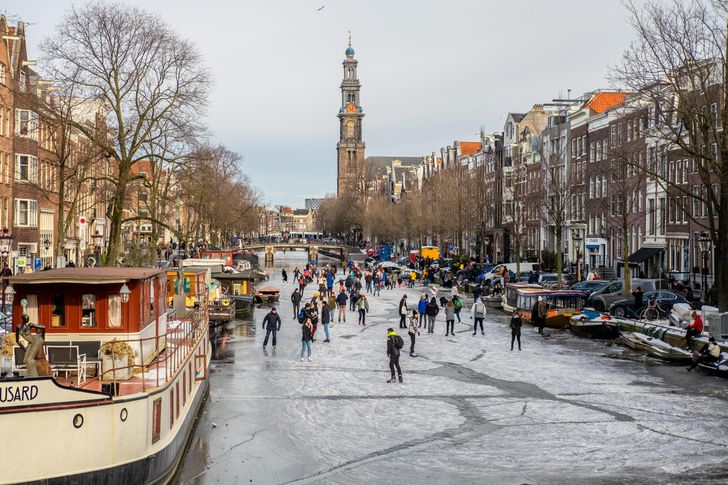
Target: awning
{"type": "Point", "coordinates": [643, 254]}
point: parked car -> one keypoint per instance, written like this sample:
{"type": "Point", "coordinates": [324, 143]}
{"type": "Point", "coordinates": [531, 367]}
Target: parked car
{"type": "Point", "coordinates": [665, 300]}
{"type": "Point", "coordinates": [589, 287]}
{"type": "Point", "coordinates": [602, 299]}
{"type": "Point", "coordinates": [525, 269]}
{"type": "Point", "coordinates": [550, 280]}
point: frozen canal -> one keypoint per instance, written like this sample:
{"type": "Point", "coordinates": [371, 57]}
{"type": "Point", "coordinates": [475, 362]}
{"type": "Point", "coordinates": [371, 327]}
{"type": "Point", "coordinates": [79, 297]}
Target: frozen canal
{"type": "Point", "coordinates": [470, 411]}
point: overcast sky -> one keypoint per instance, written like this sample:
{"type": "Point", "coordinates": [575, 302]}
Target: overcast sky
{"type": "Point", "coordinates": [432, 71]}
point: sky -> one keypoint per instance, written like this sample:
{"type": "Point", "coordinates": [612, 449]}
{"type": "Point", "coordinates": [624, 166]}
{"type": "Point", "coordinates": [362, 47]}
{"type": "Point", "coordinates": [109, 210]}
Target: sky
{"type": "Point", "coordinates": [432, 71]}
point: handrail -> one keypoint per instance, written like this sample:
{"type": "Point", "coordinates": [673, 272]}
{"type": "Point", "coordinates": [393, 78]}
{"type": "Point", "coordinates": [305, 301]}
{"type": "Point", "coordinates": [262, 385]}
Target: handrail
{"type": "Point", "coordinates": [179, 343]}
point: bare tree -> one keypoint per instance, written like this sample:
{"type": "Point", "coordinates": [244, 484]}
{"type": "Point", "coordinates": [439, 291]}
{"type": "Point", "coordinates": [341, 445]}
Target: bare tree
{"type": "Point", "coordinates": [148, 78]}
{"type": "Point", "coordinates": [679, 67]}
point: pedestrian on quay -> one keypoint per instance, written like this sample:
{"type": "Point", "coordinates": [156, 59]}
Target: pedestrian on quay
{"type": "Point", "coordinates": [414, 329]}
{"type": "Point", "coordinates": [695, 329]}
{"type": "Point", "coordinates": [449, 318]}
{"type": "Point", "coordinates": [458, 306]}
{"type": "Point", "coordinates": [538, 314]}
{"type": "Point", "coordinates": [394, 344]}
{"type": "Point", "coordinates": [271, 325]}
{"type": "Point", "coordinates": [284, 275]}
{"type": "Point", "coordinates": [325, 319]}
{"type": "Point", "coordinates": [296, 300]}
{"type": "Point", "coordinates": [515, 325]}
{"type": "Point", "coordinates": [341, 301]}
{"type": "Point", "coordinates": [306, 339]}
{"type": "Point", "coordinates": [478, 312]}
{"type": "Point", "coordinates": [432, 310]}
{"type": "Point", "coordinates": [403, 312]}
{"type": "Point", "coordinates": [422, 309]}
{"type": "Point", "coordinates": [362, 305]}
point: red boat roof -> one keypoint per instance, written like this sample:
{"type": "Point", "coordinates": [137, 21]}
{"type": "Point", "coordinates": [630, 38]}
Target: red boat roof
{"type": "Point", "coordinates": [90, 276]}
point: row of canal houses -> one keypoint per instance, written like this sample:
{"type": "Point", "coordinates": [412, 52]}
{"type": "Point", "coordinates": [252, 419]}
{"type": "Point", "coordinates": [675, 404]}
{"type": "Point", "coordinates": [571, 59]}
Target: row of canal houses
{"type": "Point", "coordinates": [583, 154]}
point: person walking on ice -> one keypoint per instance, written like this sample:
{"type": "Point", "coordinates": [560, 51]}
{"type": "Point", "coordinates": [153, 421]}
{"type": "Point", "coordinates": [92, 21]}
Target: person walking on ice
{"type": "Point", "coordinates": [414, 329]}
{"type": "Point", "coordinates": [515, 325]}
{"type": "Point", "coordinates": [394, 345]}
{"type": "Point", "coordinates": [306, 339]}
{"type": "Point", "coordinates": [403, 312]}
{"type": "Point", "coordinates": [363, 306]}
{"type": "Point", "coordinates": [271, 325]}
{"type": "Point", "coordinates": [477, 312]}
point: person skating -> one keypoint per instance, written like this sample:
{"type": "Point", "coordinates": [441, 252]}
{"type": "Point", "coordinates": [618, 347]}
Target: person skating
{"type": "Point", "coordinates": [311, 312]}
{"type": "Point", "coordinates": [362, 305]}
{"type": "Point", "coordinates": [306, 339]}
{"type": "Point", "coordinates": [284, 275]}
{"type": "Point", "coordinates": [414, 329]}
{"type": "Point", "coordinates": [449, 318]}
{"type": "Point", "coordinates": [458, 306]}
{"type": "Point", "coordinates": [296, 300]}
{"type": "Point", "coordinates": [432, 310]}
{"type": "Point", "coordinates": [271, 325]}
{"type": "Point", "coordinates": [538, 314]}
{"type": "Point", "coordinates": [403, 312]}
{"type": "Point", "coordinates": [325, 319]}
{"type": "Point", "coordinates": [422, 310]}
{"type": "Point", "coordinates": [394, 344]}
{"type": "Point", "coordinates": [341, 301]}
{"type": "Point", "coordinates": [515, 325]}
{"type": "Point", "coordinates": [353, 298]}
{"type": "Point", "coordinates": [478, 312]}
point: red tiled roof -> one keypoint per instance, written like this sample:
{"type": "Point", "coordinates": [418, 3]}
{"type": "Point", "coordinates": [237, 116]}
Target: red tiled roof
{"type": "Point", "coordinates": [468, 148]}
{"type": "Point", "coordinates": [603, 101]}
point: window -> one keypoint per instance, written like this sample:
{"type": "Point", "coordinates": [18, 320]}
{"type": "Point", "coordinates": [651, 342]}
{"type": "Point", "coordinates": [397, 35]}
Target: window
{"type": "Point", "coordinates": [573, 148]}
{"type": "Point", "coordinates": [613, 135]}
{"type": "Point", "coordinates": [26, 213]}
{"type": "Point", "coordinates": [714, 114]}
{"type": "Point", "coordinates": [156, 419]}
{"type": "Point", "coordinates": [26, 123]}
{"type": "Point", "coordinates": [26, 168]}
{"type": "Point", "coordinates": [114, 311]}
{"type": "Point", "coordinates": [629, 130]}
{"type": "Point", "coordinates": [88, 310]}
{"type": "Point", "coordinates": [58, 310]}
{"type": "Point", "coordinates": [714, 152]}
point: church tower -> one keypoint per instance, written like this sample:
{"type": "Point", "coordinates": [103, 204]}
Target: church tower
{"type": "Point", "coordinates": [350, 149]}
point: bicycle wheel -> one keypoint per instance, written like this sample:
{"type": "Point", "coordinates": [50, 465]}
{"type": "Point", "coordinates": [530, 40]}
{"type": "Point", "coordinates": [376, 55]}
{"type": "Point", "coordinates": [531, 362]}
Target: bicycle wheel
{"type": "Point", "coordinates": [650, 314]}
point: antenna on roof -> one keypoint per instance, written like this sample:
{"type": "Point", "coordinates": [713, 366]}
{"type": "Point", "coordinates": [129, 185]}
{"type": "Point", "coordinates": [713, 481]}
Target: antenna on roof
{"type": "Point", "coordinates": [350, 38]}
{"type": "Point", "coordinates": [568, 93]}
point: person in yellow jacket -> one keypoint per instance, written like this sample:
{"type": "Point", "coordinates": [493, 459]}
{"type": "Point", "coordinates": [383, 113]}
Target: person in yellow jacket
{"type": "Point", "coordinates": [413, 278]}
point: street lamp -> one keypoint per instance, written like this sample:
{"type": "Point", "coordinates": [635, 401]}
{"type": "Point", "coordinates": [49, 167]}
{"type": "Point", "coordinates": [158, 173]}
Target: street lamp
{"type": "Point", "coordinates": [577, 244]}
{"type": "Point", "coordinates": [6, 243]}
{"type": "Point", "coordinates": [124, 292]}
{"type": "Point", "coordinates": [704, 241]}
{"type": "Point", "coordinates": [97, 246]}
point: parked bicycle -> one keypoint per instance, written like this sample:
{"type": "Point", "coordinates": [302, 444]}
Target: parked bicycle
{"type": "Point", "coordinates": [653, 311]}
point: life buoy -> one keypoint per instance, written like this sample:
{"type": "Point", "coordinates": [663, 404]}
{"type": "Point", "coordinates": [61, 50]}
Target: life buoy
{"type": "Point", "coordinates": [225, 302]}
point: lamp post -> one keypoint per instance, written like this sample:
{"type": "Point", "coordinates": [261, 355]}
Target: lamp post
{"type": "Point", "coordinates": [704, 241]}
{"type": "Point", "coordinates": [6, 242]}
{"type": "Point", "coordinates": [97, 246]}
{"type": "Point", "coordinates": [577, 244]}
{"type": "Point", "coordinates": [47, 246]}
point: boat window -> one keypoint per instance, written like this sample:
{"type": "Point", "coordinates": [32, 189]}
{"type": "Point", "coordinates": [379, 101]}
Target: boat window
{"type": "Point", "coordinates": [32, 308]}
{"type": "Point", "coordinates": [156, 419]}
{"type": "Point", "coordinates": [58, 311]}
{"type": "Point", "coordinates": [114, 311]}
{"type": "Point", "coordinates": [171, 408]}
{"type": "Point", "coordinates": [88, 310]}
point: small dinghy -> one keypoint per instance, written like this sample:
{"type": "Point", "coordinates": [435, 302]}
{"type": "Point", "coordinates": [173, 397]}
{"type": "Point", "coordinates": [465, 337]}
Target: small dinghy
{"type": "Point", "coordinates": [658, 348]}
{"type": "Point", "coordinates": [628, 339]}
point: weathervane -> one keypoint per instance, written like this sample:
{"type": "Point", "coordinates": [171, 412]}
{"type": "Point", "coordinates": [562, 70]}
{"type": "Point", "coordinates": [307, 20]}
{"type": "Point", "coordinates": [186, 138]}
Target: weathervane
{"type": "Point", "coordinates": [350, 38]}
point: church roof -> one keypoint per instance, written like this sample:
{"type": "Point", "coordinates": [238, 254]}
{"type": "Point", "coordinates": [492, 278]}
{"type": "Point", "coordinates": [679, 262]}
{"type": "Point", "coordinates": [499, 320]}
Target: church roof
{"type": "Point", "coordinates": [468, 148]}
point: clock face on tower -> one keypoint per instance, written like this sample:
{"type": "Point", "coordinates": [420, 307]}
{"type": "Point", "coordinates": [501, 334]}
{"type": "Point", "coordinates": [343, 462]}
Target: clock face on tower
{"type": "Point", "coordinates": [350, 108]}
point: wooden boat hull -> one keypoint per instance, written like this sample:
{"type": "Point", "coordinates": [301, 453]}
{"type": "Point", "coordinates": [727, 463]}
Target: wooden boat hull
{"type": "Point", "coordinates": [592, 329]}
{"type": "Point", "coordinates": [672, 354]}
{"type": "Point", "coordinates": [628, 339]}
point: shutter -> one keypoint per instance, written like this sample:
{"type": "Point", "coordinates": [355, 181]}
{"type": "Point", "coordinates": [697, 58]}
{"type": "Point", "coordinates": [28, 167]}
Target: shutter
{"type": "Point", "coordinates": [17, 214]}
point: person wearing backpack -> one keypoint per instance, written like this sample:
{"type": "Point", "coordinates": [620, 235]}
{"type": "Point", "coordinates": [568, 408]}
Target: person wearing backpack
{"type": "Point", "coordinates": [414, 329]}
{"type": "Point", "coordinates": [432, 310]}
{"type": "Point", "coordinates": [458, 306]}
{"type": "Point", "coordinates": [403, 312]}
{"type": "Point", "coordinates": [394, 344]}
{"type": "Point", "coordinates": [515, 325]}
{"type": "Point", "coordinates": [449, 318]}
{"type": "Point", "coordinates": [477, 312]}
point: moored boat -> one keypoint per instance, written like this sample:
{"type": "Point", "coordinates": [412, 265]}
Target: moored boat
{"type": "Point", "coordinates": [221, 310]}
{"type": "Point", "coordinates": [592, 324]}
{"type": "Point", "coordinates": [510, 295]}
{"type": "Point", "coordinates": [561, 305]}
{"type": "Point", "coordinates": [658, 348]}
{"type": "Point", "coordinates": [239, 287]}
{"type": "Point", "coordinates": [628, 339]}
{"type": "Point", "coordinates": [267, 294]}
{"type": "Point", "coordinates": [132, 419]}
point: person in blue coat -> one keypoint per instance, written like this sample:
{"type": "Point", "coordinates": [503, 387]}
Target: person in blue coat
{"type": "Point", "coordinates": [422, 308]}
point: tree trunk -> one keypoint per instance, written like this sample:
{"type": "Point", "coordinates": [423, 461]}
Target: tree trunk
{"type": "Point", "coordinates": [116, 216]}
{"type": "Point", "coordinates": [559, 260]}
{"type": "Point", "coordinates": [625, 259]}
{"type": "Point", "coordinates": [61, 221]}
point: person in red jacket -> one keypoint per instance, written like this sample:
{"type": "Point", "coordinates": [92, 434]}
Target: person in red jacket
{"type": "Point", "coordinates": [695, 329]}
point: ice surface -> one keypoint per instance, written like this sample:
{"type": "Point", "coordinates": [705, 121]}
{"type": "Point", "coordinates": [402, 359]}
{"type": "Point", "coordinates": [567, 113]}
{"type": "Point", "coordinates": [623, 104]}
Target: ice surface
{"type": "Point", "coordinates": [564, 410]}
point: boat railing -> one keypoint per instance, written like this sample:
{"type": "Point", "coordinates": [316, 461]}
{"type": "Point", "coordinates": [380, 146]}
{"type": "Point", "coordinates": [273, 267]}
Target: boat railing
{"type": "Point", "coordinates": [179, 342]}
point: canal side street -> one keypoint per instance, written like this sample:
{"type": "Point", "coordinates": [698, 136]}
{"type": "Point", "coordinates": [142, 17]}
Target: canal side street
{"type": "Point", "coordinates": [564, 410]}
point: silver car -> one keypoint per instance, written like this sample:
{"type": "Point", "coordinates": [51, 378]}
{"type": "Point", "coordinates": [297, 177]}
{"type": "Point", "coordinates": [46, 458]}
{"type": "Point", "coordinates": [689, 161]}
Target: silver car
{"type": "Point", "coordinates": [602, 299]}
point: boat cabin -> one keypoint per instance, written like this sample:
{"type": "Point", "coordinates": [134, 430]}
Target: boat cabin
{"type": "Point", "coordinates": [562, 304]}
{"type": "Point", "coordinates": [225, 256]}
{"type": "Point", "coordinates": [510, 295]}
{"type": "Point", "coordinates": [196, 281]}
{"type": "Point", "coordinates": [83, 308]}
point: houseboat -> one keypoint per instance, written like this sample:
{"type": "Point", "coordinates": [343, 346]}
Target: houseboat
{"type": "Point", "coordinates": [510, 295]}
{"type": "Point", "coordinates": [240, 288]}
{"type": "Point", "coordinates": [130, 418]}
{"type": "Point", "coordinates": [197, 282]}
{"type": "Point", "coordinates": [562, 305]}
